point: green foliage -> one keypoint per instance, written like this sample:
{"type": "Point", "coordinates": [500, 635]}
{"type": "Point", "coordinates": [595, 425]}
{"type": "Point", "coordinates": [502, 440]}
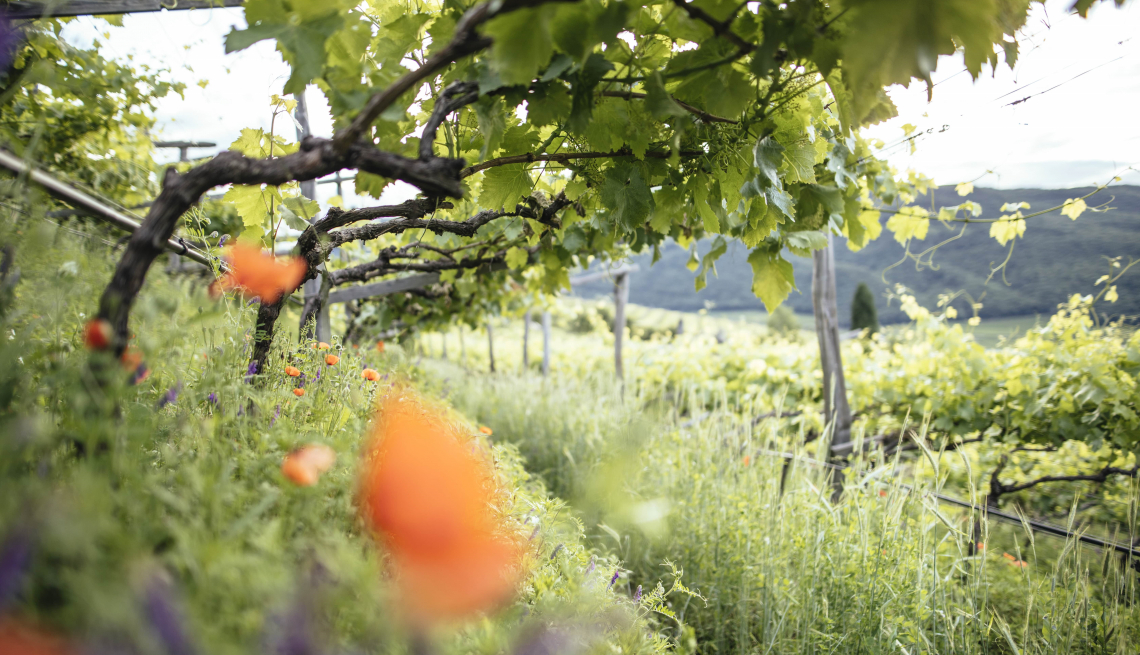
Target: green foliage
{"type": "Point", "coordinates": [81, 114]}
{"type": "Point", "coordinates": [177, 482]}
{"type": "Point", "coordinates": [780, 566]}
{"type": "Point", "coordinates": [863, 314]}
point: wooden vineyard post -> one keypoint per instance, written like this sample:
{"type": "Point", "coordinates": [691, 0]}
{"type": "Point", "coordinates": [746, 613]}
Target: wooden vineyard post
{"type": "Point", "coordinates": [545, 343]}
{"type": "Point", "coordinates": [823, 297]}
{"type": "Point", "coordinates": [491, 346]}
{"type": "Point", "coordinates": [316, 290]}
{"type": "Point", "coordinates": [462, 348]}
{"type": "Point", "coordinates": [621, 295]}
{"type": "Point", "coordinates": [526, 339]}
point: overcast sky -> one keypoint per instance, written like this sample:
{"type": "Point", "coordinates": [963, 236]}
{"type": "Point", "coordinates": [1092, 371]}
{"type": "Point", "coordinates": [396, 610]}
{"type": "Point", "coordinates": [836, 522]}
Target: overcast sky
{"type": "Point", "coordinates": [1077, 127]}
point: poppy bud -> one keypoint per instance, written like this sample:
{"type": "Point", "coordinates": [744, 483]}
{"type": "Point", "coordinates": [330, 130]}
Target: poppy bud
{"type": "Point", "coordinates": [305, 465]}
{"type": "Point", "coordinates": [97, 334]}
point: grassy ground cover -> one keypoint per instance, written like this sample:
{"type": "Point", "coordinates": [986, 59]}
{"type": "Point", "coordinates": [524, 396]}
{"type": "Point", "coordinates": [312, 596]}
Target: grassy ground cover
{"type": "Point", "coordinates": [781, 565]}
{"type": "Point", "coordinates": [156, 517]}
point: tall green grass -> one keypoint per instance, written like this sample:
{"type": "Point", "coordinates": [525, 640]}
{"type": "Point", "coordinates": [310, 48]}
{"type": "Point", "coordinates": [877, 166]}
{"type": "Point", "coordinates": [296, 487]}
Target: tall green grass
{"type": "Point", "coordinates": [782, 566]}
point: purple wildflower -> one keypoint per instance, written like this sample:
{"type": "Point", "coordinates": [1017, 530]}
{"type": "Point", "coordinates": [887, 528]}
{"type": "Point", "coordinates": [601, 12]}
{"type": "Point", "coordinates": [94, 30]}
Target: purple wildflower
{"type": "Point", "coordinates": [165, 617]}
{"type": "Point", "coordinates": [593, 563]}
{"type": "Point", "coordinates": [251, 371]}
{"type": "Point", "coordinates": [253, 300]}
{"type": "Point", "coordinates": [637, 596]}
{"type": "Point", "coordinates": [533, 534]}
{"type": "Point", "coordinates": [213, 398]}
{"type": "Point", "coordinates": [275, 415]}
{"type": "Point", "coordinates": [171, 396]}
{"type": "Point", "coordinates": [557, 549]}
{"type": "Point", "coordinates": [141, 373]}
{"type": "Point", "coordinates": [15, 556]}
{"type": "Point", "coordinates": [222, 241]}
{"type": "Point", "coordinates": [617, 572]}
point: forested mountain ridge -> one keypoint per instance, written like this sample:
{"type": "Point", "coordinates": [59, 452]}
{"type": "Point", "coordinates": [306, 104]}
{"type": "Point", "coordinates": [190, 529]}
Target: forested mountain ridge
{"type": "Point", "coordinates": [1056, 258]}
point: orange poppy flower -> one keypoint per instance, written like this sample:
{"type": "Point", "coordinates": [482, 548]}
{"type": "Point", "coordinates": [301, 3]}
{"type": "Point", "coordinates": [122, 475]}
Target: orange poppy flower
{"type": "Point", "coordinates": [97, 334]}
{"type": "Point", "coordinates": [1009, 557]}
{"type": "Point", "coordinates": [981, 546]}
{"type": "Point", "coordinates": [486, 430]}
{"type": "Point", "coordinates": [298, 392]}
{"type": "Point", "coordinates": [429, 496]}
{"type": "Point", "coordinates": [18, 639]}
{"type": "Point", "coordinates": [292, 371]}
{"type": "Point", "coordinates": [882, 493]}
{"type": "Point", "coordinates": [331, 360]}
{"type": "Point", "coordinates": [321, 345]}
{"type": "Point", "coordinates": [259, 274]}
{"type": "Point", "coordinates": [379, 346]}
{"type": "Point", "coordinates": [747, 460]}
{"type": "Point", "coordinates": [304, 466]}
{"type": "Point", "coordinates": [370, 375]}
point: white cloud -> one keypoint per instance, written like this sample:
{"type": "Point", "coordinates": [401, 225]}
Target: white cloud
{"type": "Point", "coordinates": [1081, 78]}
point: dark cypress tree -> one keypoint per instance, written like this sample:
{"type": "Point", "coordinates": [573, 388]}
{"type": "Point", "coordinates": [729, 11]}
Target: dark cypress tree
{"type": "Point", "coordinates": [863, 314]}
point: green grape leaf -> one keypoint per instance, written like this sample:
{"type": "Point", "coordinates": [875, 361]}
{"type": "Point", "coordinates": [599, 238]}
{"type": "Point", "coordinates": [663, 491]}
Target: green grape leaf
{"type": "Point", "coordinates": [249, 203]}
{"type": "Point", "coordinates": [909, 223]}
{"type": "Point", "coordinates": [773, 278]}
{"type": "Point", "coordinates": [517, 258]}
{"type": "Point", "coordinates": [708, 262]}
{"type": "Point", "coordinates": [626, 194]}
{"type": "Point", "coordinates": [303, 207]}
{"type": "Point", "coordinates": [658, 101]}
{"type": "Point", "coordinates": [767, 155]}
{"type": "Point", "coordinates": [522, 43]}
{"type": "Point", "coordinates": [505, 186]}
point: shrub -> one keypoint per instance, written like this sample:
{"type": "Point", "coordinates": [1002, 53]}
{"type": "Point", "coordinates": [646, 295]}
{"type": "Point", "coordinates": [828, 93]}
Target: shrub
{"type": "Point", "coordinates": [783, 320]}
{"type": "Point", "coordinates": [863, 314]}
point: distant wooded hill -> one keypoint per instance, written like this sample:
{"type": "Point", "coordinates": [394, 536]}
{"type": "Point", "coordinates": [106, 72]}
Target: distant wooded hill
{"type": "Point", "coordinates": [1056, 258]}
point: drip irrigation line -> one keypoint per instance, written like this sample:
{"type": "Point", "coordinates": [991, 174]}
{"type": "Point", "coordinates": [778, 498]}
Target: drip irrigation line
{"type": "Point", "coordinates": [99, 208]}
{"type": "Point", "coordinates": [1035, 525]}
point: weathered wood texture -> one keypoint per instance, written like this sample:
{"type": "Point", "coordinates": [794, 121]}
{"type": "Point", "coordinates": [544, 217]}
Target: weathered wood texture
{"type": "Point", "coordinates": [31, 10]}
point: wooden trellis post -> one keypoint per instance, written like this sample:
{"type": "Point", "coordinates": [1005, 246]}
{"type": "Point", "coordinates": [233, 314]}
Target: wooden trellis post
{"type": "Point", "coordinates": [491, 346]}
{"type": "Point", "coordinates": [526, 340]}
{"type": "Point", "coordinates": [316, 290]}
{"type": "Point", "coordinates": [546, 343]}
{"type": "Point", "coordinates": [621, 296]}
{"type": "Point", "coordinates": [823, 297]}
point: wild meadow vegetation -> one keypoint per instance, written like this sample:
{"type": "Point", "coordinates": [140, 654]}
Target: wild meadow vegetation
{"type": "Point", "coordinates": [259, 423]}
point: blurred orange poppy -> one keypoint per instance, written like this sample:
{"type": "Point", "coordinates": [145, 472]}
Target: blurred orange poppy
{"type": "Point", "coordinates": [379, 346]}
{"type": "Point", "coordinates": [331, 360]}
{"type": "Point", "coordinates": [486, 430]}
{"type": "Point", "coordinates": [1009, 557]}
{"type": "Point", "coordinates": [292, 371]}
{"type": "Point", "coordinates": [747, 460]}
{"type": "Point", "coordinates": [18, 639]}
{"type": "Point", "coordinates": [429, 496]}
{"type": "Point", "coordinates": [298, 392]}
{"type": "Point", "coordinates": [97, 334]}
{"type": "Point", "coordinates": [321, 345]}
{"type": "Point", "coordinates": [370, 375]}
{"type": "Point", "coordinates": [304, 466]}
{"type": "Point", "coordinates": [258, 274]}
